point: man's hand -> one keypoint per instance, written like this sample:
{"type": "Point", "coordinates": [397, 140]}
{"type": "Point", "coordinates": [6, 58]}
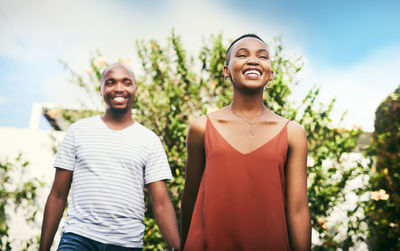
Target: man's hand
{"type": "Point", "coordinates": [164, 213]}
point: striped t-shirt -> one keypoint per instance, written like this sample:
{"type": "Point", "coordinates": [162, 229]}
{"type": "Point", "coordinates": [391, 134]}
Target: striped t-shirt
{"type": "Point", "coordinates": [110, 168]}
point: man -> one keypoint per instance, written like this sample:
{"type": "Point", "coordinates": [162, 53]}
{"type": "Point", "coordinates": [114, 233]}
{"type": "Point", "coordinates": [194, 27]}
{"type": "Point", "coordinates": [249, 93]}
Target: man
{"type": "Point", "coordinates": [107, 160]}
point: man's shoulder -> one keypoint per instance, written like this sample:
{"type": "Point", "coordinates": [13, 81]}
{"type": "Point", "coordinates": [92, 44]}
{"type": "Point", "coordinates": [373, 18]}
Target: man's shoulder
{"type": "Point", "coordinates": [90, 121]}
{"type": "Point", "coordinates": [145, 132]}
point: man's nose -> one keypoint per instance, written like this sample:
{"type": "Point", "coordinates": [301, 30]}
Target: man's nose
{"type": "Point", "coordinates": [119, 86]}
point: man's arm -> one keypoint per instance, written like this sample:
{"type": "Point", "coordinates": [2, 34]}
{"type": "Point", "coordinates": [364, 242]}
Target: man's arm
{"type": "Point", "coordinates": [297, 212]}
{"type": "Point", "coordinates": [195, 164]}
{"type": "Point", "coordinates": [164, 213]}
{"type": "Point", "coordinates": [55, 206]}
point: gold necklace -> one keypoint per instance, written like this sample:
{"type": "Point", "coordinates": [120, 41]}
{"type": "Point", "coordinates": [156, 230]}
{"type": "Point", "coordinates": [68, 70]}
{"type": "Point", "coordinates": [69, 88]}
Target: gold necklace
{"type": "Point", "coordinates": [251, 124]}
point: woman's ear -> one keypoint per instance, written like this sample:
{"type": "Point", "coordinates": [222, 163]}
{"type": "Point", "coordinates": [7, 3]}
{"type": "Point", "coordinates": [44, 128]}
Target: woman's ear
{"type": "Point", "coordinates": [226, 72]}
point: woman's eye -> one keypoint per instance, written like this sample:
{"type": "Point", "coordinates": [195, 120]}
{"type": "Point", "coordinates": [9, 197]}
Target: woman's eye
{"type": "Point", "coordinates": [264, 57]}
{"type": "Point", "coordinates": [241, 56]}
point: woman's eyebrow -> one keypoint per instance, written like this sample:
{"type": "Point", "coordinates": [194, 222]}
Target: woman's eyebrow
{"type": "Point", "coordinates": [242, 49]}
{"type": "Point", "coordinates": [263, 50]}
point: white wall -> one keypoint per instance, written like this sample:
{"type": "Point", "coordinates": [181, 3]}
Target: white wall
{"type": "Point", "coordinates": [35, 147]}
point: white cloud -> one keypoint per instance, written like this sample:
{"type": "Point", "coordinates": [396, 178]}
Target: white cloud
{"type": "Point", "coordinates": [359, 88]}
{"type": "Point", "coordinates": [74, 29]}
{"type": "Point", "coordinates": [3, 99]}
{"type": "Point", "coordinates": [43, 31]}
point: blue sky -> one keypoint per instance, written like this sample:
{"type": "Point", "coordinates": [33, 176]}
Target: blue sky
{"type": "Point", "coordinates": [350, 48]}
{"type": "Point", "coordinates": [337, 32]}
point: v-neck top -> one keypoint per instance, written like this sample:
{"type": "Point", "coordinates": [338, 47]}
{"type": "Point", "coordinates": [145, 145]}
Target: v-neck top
{"type": "Point", "coordinates": [241, 200]}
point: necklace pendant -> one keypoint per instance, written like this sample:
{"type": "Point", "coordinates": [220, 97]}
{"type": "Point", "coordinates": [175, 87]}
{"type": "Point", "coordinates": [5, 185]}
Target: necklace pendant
{"type": "Point", "coordinates": [251, 124]}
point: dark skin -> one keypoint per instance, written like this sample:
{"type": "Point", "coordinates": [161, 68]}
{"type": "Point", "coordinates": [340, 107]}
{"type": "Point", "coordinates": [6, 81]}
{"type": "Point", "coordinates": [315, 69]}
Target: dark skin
{"type": "Point", "coordinates": [118, 89]}
{"type": "Point", "coordinates": [54, 208]}
{"type": "Point", "coordinates": [249, 70]}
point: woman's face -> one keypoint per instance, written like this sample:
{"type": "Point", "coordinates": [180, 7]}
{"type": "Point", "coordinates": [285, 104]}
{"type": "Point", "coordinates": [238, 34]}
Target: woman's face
{"type": "Point", "coordinates": [249, 64]}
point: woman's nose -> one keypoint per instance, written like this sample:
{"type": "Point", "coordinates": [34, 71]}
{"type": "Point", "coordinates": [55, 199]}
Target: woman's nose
{"type": "Point", "coordinates": [252, 60]}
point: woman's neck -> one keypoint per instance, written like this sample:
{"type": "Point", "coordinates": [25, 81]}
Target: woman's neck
{"type": "Point", "coordinates": [248, 104]}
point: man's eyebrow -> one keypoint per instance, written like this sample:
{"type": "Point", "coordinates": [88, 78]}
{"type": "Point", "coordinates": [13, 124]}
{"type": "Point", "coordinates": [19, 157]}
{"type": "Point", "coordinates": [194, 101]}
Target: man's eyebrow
{"type": "Point", "coordinates": [123, 78]}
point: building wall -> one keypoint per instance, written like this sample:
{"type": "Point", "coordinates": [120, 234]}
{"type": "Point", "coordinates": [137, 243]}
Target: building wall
{"type": "Point", "coordinates": [35, 147]}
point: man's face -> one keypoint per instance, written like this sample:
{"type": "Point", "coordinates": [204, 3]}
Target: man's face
{"type": "Point", "coordinates": [118, 88]}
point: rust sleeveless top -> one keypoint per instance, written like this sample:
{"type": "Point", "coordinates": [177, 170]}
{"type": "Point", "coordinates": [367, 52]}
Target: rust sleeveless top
{"type": "Point", "coordinates": [241, 200]}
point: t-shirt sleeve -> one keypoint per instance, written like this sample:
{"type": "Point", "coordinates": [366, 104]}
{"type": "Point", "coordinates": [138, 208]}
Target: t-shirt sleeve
{"type": "Point", "coordinates": [157, 167]}
{"type": "Point", "coordinates": [65, 157]}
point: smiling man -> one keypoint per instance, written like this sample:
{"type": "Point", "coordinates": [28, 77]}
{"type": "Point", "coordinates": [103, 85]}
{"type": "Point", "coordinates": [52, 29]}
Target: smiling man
{"type": "Point", "coordinates": [106, 161]}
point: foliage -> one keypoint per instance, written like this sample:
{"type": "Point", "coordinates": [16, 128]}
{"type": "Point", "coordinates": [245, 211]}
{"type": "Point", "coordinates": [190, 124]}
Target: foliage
{"type": "Point", "coordinates": [16, 195]}
{"type": "Point", "coordinates": [383, 209]}
{"type": "Point", "coordinates": [175, 88]}
{"type": "Point", "coordinates": [328, 173]}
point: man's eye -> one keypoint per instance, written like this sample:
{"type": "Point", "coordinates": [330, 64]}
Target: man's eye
{"type": "Point", "coordinates": [241, 56]}
{"type": "Point", "coordinates": [265, 57]}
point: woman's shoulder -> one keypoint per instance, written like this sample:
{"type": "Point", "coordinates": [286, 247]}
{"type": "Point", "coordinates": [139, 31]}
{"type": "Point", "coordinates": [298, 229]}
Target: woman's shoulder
{"type": "Point", "coordinates": [294, 129]}
{"type": "Point", "coordinates": [202, 120]}
{"type": "Point", "coordinates": [198, 124]}
{"type": "Point", "coordinates": [196, 132]}
{"type": "Point", "coordinates": [275, 118]}
{"type": "Point", "coordinates": [279, 119]}
{"type": "Point", "coordinates": [296, 134]}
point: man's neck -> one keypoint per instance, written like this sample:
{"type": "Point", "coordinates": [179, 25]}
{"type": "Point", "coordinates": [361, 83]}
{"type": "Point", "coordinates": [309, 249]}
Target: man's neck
{"type": "Point", "coordinates": [117, 121]}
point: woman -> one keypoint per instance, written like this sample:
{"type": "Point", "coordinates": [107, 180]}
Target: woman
{"type": "Point", "coordinates": [245, 185]}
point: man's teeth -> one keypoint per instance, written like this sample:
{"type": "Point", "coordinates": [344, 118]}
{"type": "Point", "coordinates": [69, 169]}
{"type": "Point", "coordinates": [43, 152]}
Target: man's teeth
{"type": "Point", "coordinates": [119, 99]}
{"type": "Point", "coordinates": [252, 72]}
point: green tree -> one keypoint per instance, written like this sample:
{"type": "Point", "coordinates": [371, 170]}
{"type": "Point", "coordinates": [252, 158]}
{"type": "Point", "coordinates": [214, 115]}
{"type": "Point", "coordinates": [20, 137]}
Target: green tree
{"type": "Point", "coordinates": [16, 195]}
{"type": "Point", "coordinates": [383, 210]}
{"type": "Point", "coordinates": [176, 87]}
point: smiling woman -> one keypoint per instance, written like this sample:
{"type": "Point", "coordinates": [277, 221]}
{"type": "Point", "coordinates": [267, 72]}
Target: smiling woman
{"type": "Point", "coordinates": [246, 167]}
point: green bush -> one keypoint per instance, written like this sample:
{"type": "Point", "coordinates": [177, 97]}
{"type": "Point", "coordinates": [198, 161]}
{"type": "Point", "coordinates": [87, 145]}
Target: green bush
{"type": "Point", "coordinates": [383, 209]}
{"type": "Point", "coordinates": [16, 195]}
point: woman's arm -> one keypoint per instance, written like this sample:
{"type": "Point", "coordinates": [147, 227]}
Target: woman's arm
{"type": "Point", "coordinates": [195, 163]}
{"type": "Point", "coordinates": [297, 212]}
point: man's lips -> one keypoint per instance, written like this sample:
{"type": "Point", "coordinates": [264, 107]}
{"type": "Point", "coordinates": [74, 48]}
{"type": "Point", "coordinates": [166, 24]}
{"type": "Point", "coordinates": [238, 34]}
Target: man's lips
{"type": "Point", "coordinates": [119, 98]}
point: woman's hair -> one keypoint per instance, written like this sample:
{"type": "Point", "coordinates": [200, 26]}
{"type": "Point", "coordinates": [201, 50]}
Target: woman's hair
{"type": "Point", "coordinates": [228, 53]}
